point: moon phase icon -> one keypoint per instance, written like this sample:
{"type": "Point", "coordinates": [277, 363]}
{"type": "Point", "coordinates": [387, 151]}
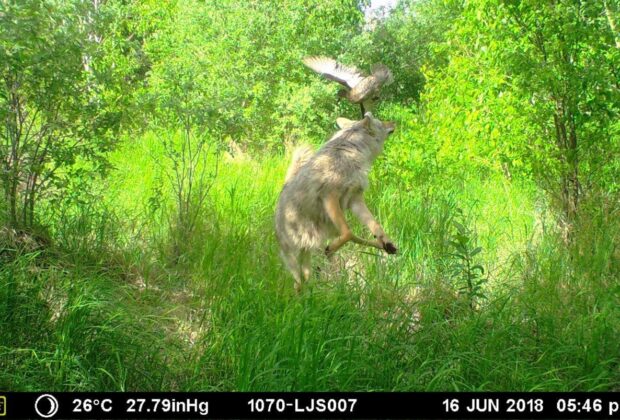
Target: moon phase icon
{"type": "Point", "coordinates": [46, 406]}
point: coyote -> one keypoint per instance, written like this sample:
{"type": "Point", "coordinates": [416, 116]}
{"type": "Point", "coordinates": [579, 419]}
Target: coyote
{"type": "Point", "coordinates": [320, 186]}
{"type": "Point", "coordinates": [358, 87]}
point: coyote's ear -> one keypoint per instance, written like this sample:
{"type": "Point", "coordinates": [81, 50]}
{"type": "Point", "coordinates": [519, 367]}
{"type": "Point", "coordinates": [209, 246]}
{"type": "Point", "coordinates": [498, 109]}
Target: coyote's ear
{"type": "Point", "coordinates": [366, 121]}
{"type": "Point", "coordinates": [344, 123]}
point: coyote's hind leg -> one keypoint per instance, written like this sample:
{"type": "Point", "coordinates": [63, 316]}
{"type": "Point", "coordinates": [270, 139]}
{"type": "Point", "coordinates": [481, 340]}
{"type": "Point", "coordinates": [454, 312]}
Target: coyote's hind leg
{"type": "Point", "coordinates": [292, 262]}
{"type": "Point", "coordinates": [305, 261]}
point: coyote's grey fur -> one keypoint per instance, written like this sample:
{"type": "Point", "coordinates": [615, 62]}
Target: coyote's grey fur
{"type": "Point", "coordinates": [320, 186]}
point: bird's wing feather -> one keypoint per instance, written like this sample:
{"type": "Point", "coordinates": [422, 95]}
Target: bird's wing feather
{"type": "Point", "coordinates": [346, 75]}
{"type": "Point", "coordinates": [365, 89]}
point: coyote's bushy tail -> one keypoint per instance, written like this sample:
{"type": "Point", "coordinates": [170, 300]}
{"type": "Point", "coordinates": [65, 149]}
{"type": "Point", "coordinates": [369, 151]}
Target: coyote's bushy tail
{"type": "Point", "coordinates": [301, 155]}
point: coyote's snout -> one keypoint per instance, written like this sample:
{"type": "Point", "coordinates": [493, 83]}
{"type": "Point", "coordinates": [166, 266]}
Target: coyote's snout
{"type": "Point", "coordinates": [320, 186]}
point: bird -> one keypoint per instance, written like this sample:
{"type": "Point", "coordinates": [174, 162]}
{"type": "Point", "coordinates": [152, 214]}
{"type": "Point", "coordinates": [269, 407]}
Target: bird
{"type": "Point", "coordinates": [358, 87]}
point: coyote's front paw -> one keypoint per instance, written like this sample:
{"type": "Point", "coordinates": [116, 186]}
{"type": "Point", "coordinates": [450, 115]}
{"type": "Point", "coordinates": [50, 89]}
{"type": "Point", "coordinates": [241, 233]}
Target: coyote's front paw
{"type": "Point", "coordinates": [388, 245]}
{"type": "Point", "coordinates": [390, 248]}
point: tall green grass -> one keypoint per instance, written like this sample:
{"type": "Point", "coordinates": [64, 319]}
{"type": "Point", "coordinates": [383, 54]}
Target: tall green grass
{"type": "Point", "coordinates": [106, 308]}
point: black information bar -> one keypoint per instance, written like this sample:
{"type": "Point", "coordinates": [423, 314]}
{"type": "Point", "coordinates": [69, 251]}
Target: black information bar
{"type": "Point", "coordinates": [308, 405]}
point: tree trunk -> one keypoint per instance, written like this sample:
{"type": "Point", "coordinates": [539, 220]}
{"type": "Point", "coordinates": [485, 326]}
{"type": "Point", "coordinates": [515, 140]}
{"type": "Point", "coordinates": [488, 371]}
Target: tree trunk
{"type": "Point", "coordinates": [612, 23]}
{"type": "Point", "coordinates": [573, 169]}
{"type": "Point", "coordinates": [566, 141]}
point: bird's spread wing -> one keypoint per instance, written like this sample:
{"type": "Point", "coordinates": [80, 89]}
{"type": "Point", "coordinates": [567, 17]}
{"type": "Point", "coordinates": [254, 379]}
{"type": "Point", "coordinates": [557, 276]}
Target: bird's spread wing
{"type": "Point", "coordinates": [382, 73]}
{"type": "Point", "coordinates": [331, 69]}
